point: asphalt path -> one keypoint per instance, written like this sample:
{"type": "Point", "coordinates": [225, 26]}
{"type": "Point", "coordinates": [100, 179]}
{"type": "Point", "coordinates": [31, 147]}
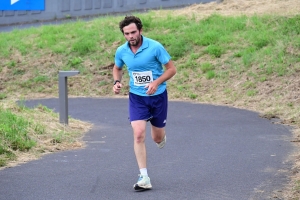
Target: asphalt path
{"type": "Point", "coordinates": [212, 152]}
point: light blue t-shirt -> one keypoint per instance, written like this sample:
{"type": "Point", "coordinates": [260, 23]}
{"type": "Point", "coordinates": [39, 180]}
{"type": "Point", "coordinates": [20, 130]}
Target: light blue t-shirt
{"type": "Point", "coordinates": [144, 66]}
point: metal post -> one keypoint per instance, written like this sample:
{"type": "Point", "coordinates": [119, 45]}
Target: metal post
{"type": "Point", "coordinates": [63, 95]}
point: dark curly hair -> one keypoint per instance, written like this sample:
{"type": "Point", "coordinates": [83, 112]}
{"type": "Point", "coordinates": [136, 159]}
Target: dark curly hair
{"type": "Point", "coordinates": [128, 20]}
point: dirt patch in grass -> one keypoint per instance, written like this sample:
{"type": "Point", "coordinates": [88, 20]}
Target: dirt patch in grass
{"type": "Point", "coordinates": [244, 7]}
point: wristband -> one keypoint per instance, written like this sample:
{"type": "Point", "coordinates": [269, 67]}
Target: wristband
{"type": "Point", "coordinates": [116, 81]}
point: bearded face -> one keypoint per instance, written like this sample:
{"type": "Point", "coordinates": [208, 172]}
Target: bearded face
{"type": "Point", "coordinates": [132, 34]}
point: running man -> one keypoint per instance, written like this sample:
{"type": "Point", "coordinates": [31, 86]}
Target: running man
{"type": "Point", "coordinates": [148, 99]}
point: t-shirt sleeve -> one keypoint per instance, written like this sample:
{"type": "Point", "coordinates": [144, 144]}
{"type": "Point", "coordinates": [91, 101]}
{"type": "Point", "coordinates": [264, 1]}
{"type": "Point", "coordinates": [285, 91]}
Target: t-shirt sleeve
{"type": "Point", "coordinates": [162, 55]}
{"type": "Point", "coordinates": [118, 59]}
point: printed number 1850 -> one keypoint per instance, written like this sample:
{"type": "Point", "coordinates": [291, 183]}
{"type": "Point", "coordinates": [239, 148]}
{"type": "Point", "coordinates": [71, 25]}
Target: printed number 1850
{"type": "Point", "coordinates": [142, 79]}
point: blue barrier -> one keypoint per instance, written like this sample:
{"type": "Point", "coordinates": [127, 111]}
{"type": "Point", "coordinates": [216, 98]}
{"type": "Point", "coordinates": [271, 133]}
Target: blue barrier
{"type": "Point", "coordinates": [11, 5]}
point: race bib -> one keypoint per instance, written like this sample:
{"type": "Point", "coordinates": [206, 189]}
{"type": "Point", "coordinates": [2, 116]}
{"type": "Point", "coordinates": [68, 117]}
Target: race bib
{"type": "Point", "coordinates": [142, 78]}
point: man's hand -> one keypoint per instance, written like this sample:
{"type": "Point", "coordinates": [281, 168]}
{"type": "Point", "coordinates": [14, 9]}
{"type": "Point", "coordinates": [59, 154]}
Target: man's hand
{"type": "Point", "coordinates": [117, 88]}
{"type": "Point", "coordinates": [152, 87]}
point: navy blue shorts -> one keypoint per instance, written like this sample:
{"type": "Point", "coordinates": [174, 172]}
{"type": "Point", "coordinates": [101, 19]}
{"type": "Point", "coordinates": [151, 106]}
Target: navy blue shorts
{"type": "Point", "coordinates": [149, 108]}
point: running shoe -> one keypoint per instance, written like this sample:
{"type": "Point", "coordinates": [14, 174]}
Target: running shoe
{"type": "Point", "coordinates": [143, 183]}
{"type": "Point", "coordinates": [162, 143]}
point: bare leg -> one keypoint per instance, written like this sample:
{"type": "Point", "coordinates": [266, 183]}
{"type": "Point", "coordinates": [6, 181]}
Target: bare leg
{"type": "Point", "coordinates": [139, 134]}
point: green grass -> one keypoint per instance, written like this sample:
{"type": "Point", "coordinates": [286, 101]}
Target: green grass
{"type": "Point", "coordinates": [241, 42]}
{"type": "Point", "coordinates": [13, 135]}
{"type": "Point", "coordinates": [24, 130]}
{"type": "Point", "coordinates": [14, 129]}
{"type": "Point", "coordinates": [257, 40]}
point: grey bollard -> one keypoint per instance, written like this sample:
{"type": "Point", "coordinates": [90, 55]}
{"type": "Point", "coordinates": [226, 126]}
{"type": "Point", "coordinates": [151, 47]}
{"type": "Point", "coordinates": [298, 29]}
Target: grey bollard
{"type": "Point", "coordinates": [63, 95]}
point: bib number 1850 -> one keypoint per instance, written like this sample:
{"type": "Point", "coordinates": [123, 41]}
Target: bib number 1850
{"type": "Point", "coordinates": [142, 78]}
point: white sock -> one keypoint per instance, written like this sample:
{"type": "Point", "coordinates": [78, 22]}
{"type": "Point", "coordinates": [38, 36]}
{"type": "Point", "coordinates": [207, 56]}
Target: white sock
{"type": "Point", "coordinates": [143, 172]}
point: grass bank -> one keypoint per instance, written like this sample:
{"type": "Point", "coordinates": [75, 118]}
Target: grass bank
{"type": "Point", "coordinates": [26, 134]}
{"type": "Point", "coordinates": [242, 61]}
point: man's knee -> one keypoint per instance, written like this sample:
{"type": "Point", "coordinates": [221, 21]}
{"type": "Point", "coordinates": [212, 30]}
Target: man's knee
{"type": "Point", "coordinates": [158, 134]}
{"type": "Point", "coordinates": [139, 136]}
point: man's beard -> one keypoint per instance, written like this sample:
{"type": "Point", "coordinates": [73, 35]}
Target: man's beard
{"type": "Point", "coordinates": [134, 42]}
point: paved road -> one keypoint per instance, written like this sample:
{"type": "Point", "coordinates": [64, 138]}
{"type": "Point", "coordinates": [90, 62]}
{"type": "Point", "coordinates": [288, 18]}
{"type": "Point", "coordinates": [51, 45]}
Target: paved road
{"type": "Point", "coordinates": [212, 152]}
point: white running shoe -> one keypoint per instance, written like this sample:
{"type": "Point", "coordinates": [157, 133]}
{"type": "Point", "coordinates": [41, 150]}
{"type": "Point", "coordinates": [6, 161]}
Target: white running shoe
{"type": "Point", "coordinates": [143, 183]}
{"type": "Point", "coordinates": [162, 143]}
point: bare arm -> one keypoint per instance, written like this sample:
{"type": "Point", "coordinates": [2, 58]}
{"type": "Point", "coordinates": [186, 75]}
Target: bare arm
{"type": "Point", "coordinates": [117, 74]}
{"type": "Point", "coordinates": [169, 73]}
